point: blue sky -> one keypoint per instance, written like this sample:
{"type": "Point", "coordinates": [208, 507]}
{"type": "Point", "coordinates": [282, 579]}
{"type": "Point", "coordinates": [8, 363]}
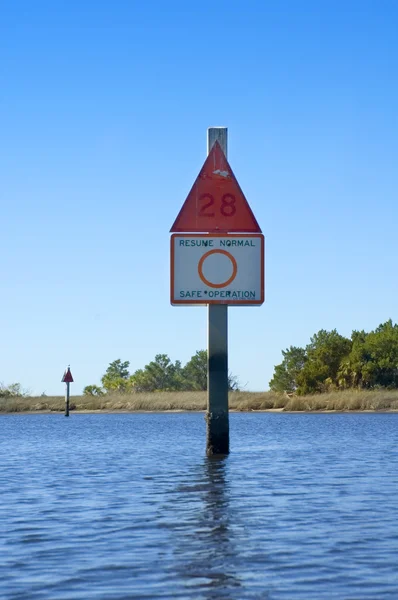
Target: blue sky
{"type": "Point", "coordinates": [104, 108]}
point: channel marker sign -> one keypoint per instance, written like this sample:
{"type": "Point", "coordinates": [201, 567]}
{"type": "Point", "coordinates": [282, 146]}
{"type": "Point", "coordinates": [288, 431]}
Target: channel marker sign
{"type": "Point", "coordinates": [217, 269]}
{"type": "Point", "coordinates": [217, 250]}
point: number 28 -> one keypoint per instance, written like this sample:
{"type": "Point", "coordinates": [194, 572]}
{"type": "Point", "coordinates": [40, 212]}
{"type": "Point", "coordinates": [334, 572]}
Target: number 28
{"type": "Point", "coordinates": [207, 201]}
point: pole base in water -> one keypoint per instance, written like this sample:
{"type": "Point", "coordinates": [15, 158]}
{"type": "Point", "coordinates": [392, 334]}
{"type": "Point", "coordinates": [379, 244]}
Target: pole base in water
{"type": "Point", "coordinates": [217, 441]}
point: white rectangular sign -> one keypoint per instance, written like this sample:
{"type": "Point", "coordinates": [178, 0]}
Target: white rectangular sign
{"type": "Point", "coordinates": [217, 269]}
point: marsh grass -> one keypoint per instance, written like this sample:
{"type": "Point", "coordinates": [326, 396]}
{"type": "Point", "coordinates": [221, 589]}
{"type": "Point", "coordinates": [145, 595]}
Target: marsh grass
{"type": "Point", "coordinates": [349, 400]}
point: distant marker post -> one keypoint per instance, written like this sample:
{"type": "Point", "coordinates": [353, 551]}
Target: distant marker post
{"type": "Point", "coordinates": [67, 379]}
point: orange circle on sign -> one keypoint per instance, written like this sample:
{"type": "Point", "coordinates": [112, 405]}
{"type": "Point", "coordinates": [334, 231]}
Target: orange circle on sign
{"type": "Point", "coordinates": [217, 285]}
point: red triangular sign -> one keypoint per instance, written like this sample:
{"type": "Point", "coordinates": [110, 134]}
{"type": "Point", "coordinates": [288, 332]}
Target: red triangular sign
{"type": "Point", "coordinates": [216, 204]}
{"type": "Point", "coordinates": [67, 378]}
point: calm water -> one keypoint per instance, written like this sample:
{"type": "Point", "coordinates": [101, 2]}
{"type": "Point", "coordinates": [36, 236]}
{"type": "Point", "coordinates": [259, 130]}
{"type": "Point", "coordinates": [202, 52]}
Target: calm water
{"type": "Point", "coordinates": [127, 506]}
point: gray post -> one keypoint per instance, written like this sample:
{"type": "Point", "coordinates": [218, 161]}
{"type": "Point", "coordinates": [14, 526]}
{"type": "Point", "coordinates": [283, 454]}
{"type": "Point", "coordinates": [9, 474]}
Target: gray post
{"type": "Point", "coordinates": [217, 441]}
{"type": "Point", "coordinates": [67, 400]}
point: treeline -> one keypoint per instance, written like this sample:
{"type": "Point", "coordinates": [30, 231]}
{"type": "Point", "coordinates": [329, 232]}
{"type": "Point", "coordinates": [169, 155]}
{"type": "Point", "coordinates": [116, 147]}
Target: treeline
{"type": "Point", "coordinates": [161, 374]}
{"type": "Point", "coordinates": [12, 391]}
{"type": "Point", "coordinates": [334, 362]}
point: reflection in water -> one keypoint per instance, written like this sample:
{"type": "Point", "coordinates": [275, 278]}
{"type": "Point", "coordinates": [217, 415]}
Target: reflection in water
{"type": "Point", "coordinates": [205, 541]}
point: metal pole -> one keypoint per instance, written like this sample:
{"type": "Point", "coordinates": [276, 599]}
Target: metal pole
{"type": "Point", "coordinates": [217, 439]}
{"type": "Point", "coordinates": [67, 400]}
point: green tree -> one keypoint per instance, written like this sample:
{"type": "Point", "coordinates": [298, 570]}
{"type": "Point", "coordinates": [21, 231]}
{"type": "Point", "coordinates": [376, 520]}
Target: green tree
{"type": "Point", "coordinates": [331, 361]}
{"type": "Point", "coordinates": [159, 374]}
{"type": "Point", "coordinates": [325, 353]}
{"type": "Point", "coordinates": [377, 357]}
{"type": "Point", "coordinates": [116, 376]}
{"type": "Point", "coordinates": [349, 374]}
{"type": "Point", "coordinates": [138, 382]}
{"type": "Point", "coordinates": [11, 391]}
{"type": "Point", "coordinates": [195, 371]}
{"type": "Point", "coordinates": [93, 390]}
{"type": "Point", "coordinates": [382, 346]}
{"type": "Point", "coordinates": [373, 360]}
{"type": "Point", "coordinates": [285, 374]}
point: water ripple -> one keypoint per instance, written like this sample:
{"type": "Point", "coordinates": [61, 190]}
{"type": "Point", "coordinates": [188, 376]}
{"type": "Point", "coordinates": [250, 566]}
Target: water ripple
{"type": "Point", "coordinates": [117, 507]}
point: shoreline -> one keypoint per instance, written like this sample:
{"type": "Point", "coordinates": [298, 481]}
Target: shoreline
{"type": "Point", "coordinates": [186, 411]}
{"type": "Point", "coordinates": [380, 400]}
